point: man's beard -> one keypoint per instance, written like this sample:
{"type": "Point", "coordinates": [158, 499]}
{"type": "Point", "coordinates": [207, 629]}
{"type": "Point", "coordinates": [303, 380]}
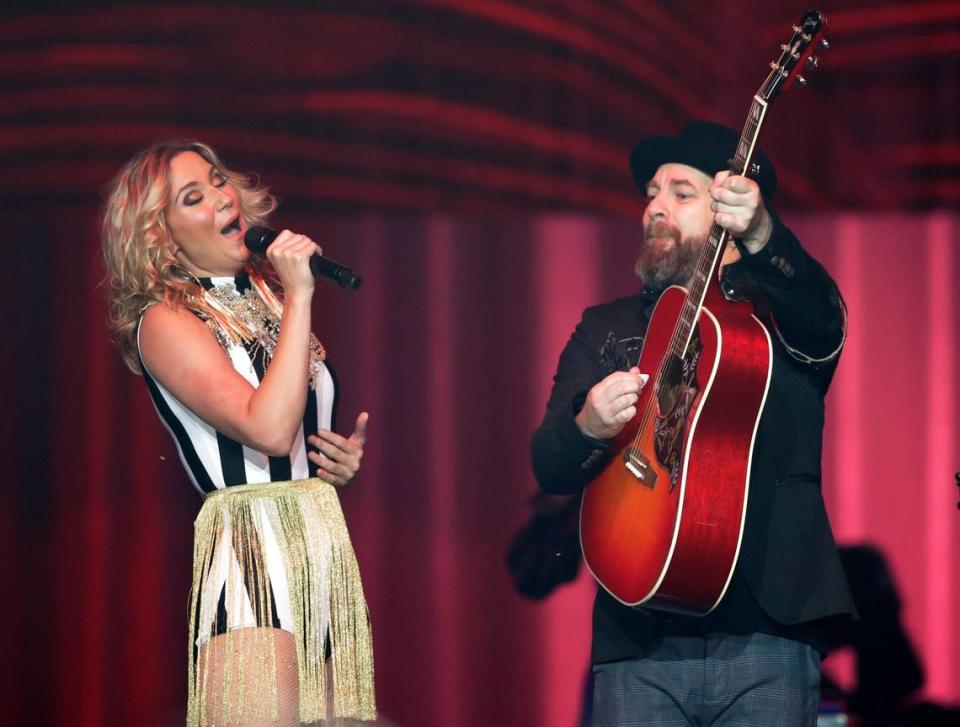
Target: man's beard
{"type": "Point", "coordinates": [660, 268]}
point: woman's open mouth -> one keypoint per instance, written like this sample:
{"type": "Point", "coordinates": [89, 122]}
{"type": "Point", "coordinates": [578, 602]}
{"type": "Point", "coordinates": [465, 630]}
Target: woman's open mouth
{"type": "Point", "coordinates": [232, 229]}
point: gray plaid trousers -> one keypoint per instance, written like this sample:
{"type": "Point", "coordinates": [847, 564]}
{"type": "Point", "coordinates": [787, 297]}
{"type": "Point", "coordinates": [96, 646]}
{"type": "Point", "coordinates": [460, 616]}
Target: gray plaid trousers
{"type": "Point", "coordinates": [728, 680]}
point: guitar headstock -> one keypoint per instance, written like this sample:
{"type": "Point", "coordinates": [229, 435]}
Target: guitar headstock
{"type": "Point", "coordinates": [797, 55]}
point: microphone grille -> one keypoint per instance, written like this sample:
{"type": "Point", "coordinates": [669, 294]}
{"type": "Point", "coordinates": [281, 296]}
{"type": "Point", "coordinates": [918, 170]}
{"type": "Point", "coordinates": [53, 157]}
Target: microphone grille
{"type": "Point", "coordinates": [258, 239]}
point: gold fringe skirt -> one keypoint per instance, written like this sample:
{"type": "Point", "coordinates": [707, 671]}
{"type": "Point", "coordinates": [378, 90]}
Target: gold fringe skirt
{"type": "Point", "coordinates": [263, 553]}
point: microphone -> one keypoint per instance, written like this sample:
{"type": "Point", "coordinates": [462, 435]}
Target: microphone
{"type": "Point", "coordinates": [258, 239]}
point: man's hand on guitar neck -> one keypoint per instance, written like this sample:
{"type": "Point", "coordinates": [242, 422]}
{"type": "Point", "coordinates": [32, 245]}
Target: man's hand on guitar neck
{"type": "Point", "coordinates": [740, 210]}
{"type": "Point", "coordinates": [611, 403]}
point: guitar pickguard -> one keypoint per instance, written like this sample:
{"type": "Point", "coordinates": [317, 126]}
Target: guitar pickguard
{"type": "Point", "coordinates": [678, 390]}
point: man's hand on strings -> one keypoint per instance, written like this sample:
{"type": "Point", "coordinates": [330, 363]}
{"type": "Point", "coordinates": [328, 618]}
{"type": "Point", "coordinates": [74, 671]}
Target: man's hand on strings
{"type": "Point", "coordinates": [338, 458]}
{"type": "Point", "coordinates": [740, 210]}
{"type": "Point", "coordinates": [611, 403]}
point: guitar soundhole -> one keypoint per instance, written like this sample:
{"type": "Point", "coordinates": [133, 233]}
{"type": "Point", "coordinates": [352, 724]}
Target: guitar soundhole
{"type": "Point", "coordinates": [675, 396]}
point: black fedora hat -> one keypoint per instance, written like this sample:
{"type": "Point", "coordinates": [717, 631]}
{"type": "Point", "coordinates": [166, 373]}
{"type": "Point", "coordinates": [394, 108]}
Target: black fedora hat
{"type": "Point", "coordinates": [704, 145]}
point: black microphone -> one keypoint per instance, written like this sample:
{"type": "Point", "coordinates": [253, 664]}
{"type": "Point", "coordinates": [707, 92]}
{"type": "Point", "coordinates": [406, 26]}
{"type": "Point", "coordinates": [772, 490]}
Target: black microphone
{"type": "Point", "coordinates": [258, 239]}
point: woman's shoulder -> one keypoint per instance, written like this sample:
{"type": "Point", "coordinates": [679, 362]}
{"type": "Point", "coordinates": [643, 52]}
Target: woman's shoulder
{"type": "Point", "coordinates": [161, 314]}
{"type": "Point", "coordinates": [165, 328]}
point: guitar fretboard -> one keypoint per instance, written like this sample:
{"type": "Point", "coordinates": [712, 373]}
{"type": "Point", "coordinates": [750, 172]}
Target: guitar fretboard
{"type": "Point", "coordinates": [707, 262]}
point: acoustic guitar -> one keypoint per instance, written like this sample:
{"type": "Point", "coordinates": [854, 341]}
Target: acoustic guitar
{"type": "Point", "coordinates": [661, 525]}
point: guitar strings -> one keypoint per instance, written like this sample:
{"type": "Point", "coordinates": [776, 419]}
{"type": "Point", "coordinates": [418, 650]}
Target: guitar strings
{"type": "Point", "coordinates": [702, 279]}
{"type": "Point", "coordinates": [674, 359]}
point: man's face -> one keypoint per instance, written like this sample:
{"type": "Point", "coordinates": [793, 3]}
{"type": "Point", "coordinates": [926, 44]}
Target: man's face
{"type": "Point", "coordinates": [676, 223]}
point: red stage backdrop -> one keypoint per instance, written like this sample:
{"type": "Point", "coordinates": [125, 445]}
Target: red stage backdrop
{"type": "Point", "coordinates": [451, 345]}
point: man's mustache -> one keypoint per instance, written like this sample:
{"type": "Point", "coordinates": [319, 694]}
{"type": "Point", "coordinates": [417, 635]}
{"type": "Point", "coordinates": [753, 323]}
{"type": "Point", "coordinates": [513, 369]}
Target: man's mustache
{"type": "Point", "coordinates": [661, 229]}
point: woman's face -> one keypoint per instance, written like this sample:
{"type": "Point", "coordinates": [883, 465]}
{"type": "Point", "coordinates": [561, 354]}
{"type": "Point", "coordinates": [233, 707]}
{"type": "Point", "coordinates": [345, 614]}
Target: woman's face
{"type": "Point", "coordinates": [204, 217]}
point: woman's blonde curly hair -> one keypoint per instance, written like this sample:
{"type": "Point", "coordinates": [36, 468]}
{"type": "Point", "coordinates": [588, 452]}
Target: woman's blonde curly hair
{"type": "Point", "coordinates": [137, 247]}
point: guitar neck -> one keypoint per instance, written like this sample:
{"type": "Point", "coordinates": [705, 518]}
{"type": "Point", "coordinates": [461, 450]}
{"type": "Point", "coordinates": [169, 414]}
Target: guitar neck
{"type": "Point", "coordinates": [796, 54]}
{"type": "Point", "coordinates": [709, 258]}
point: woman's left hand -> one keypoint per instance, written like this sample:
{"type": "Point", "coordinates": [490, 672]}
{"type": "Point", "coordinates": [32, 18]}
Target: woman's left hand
{"type": "Point", "coordinates": [340, 458]}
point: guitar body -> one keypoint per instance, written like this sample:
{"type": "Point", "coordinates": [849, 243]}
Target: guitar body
{"type": "Point", "coordinates": [670, 540]}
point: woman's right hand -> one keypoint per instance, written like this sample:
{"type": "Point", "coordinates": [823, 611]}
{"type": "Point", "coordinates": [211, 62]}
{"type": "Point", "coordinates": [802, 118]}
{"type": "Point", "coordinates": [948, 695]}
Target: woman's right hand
{"type": "Point", "coordinates": [290, 255]}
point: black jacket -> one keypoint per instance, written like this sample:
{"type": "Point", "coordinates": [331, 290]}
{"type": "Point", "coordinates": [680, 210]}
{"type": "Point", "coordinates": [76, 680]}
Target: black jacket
{"type": "Point", "coordinates": [788, 561]}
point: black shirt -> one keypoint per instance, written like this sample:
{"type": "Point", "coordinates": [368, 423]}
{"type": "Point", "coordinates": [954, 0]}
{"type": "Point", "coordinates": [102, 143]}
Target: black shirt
{"type": "Point", "coordinates": [788, 578]}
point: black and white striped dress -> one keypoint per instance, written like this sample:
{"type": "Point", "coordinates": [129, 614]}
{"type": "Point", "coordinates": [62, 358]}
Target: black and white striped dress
{"type": "Point", "coordinates": [212, 459]}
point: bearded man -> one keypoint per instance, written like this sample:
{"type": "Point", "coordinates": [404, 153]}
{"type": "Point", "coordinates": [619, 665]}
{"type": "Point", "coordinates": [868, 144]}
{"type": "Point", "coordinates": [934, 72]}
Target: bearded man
{"type": "Point", "coordinates": [755, 659]}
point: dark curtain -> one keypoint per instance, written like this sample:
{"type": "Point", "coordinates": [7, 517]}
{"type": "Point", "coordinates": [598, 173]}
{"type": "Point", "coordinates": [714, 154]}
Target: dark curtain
{"type": "Point", "coordinates": [450, 345]}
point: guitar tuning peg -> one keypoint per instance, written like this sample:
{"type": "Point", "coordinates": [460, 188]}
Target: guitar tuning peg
{"type": "Point", "coordinates": [824, 44]}
{"type": "Point", "coordinates": [801, 80]}
{"type": "Point", "coordinates": [813, 62]}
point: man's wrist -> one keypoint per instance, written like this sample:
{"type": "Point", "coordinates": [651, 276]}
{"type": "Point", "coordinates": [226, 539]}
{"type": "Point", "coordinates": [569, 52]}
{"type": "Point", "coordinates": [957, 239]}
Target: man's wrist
{"type": "Point", "coordinates": [580, 421]}
{"type": "Point", "coordinates": [759, 237]}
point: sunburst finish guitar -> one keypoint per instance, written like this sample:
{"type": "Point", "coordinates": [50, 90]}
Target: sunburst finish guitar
{"type": "Point", "coordinates": [661, 525]}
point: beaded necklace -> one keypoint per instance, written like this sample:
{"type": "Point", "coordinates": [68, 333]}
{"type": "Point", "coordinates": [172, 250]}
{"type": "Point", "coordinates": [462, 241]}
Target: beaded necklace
{"type": "Point", "coordinates": [251, 319]}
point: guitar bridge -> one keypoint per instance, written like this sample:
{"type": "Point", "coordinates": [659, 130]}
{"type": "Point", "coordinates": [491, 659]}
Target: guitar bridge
{"type": "Point", "coordinates": [639, 467]}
